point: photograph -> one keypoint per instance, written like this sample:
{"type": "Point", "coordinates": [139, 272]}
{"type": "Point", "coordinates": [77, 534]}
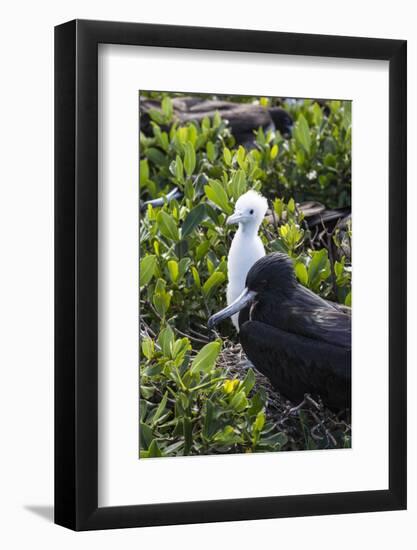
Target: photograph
{"type": "Point", "coordinates": [245, 274]}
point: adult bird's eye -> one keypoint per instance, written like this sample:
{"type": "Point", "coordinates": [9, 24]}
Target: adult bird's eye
{"type": "Point", "coordinates": [251, 211]}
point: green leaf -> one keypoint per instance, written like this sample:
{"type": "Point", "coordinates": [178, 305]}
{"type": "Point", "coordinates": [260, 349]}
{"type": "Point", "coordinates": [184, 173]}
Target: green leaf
{"type": "Point", "coordinates": [217, 194]}
{"type": "Point", "coordinates": [222, 266]}
{"type": "Point", "coordinates": [324, 180]}
{"type": "Point", "coordinates": [217, 119]}
{"type": "Point", "coordinates": [147, 347]}
{"type": "Point", "coordinates": [196, 277]}
{"type": "Point", "coordinates": [210, 265]}
{"type": "Point", "coordinates": [239, 401]}
{"type": "Point", "coordinates": [154, 451]}
{"type": "Point", "coordinates": [161, 138]}
{"type": "Point", "coordinates": [160, 409]}
{"type": "Point", "coordinates": [167, 108]}
{"type": "Point", "coordinates": [143, 172]}
{"type": "Point", "coordinates": [180, 347]}
{"type": "Point", "coordinates": [183, 267]}
{"type": "Point", "coordinates": [166, 340]}
{"type": "Point", "coordinates": [241, 157]}
{"type": "Point", "coordinates": [317, 114]}
{"type": "Point", "coordinates": [274, 151]}
{"type": "Point", "coordinates": [278, 246]}
{"type": "Point", "coordinates": [143, 409]}
{"type": "Point", "coordinates": [156, 156]}
{"type": "Point", "coordinates": [146, 392]}
{"type": "Point", "coordinates": [330, 160]}
{"type": "Point", "coordinates": [189, 189]}
{"type": "Point", "coordinates": [167, 226]}
{"type": "Point", "coordinates": [279, 207]}
{"type": "Point", "coordinates": [211, 151]}
{"type": "Point", "coordinates": [256, 403]}
{"type": "Point", "coordinates": [210, 425]}
{"type": "Point", "coordinates": [206, 358]}
{"type": "Point", "coordinates": [145, 435]}
{"type": "Point", "coordinates": [227, 155]}
{"type": "Point", "coordinates": [259, 421]}
{"type": "Point", "coordinates": [339, 267]}
{"type": "Point", "coordinates": [248, 382]}
{"type": "Point", "coordinates": [228, 436]}
{"type": "Point", "coordinates": [335, 105]}
{"type": "Point", "coordinates": [156, 116]}
{"type": "Point", "coordinates": [154, 369]}
{"type": "Point", "coordinates": [182, 134]}
{"type": "Point", "coordinates": [205, 123]}
{"type": "Point", "coordinates": [193, 219]}
{"type": "Point", "coordinates": [302, 134]}
{"type": "Point", "coordinates": [173, 270]}
{"type": "Point", "coordinates": [215, 279]}
{"type": "Point", "coordinates": [179, 169]}
{"type": "Point", "coordinates": [192, 135]}
{"type": "Point", "coordinates": [348, 300]}
{"type": "Point", "coordinates": [202, 249]}
{"type": "Point", "coordinates": [291, 234]}
{"type": "Point", "coordinates": [161, 300]}
{"type": "Point", "coordinates": [189, 158]}
{"type": "Point", "coordinates": [147, 269]}
{"type": "Point", "coordinates": [181, 248]}
{"type": "Point", "coordinates": [238, 184]}
{"type": "Point", "coordinates": [300, 157]}
{"type": "Point", "coordinates": [301, 272]}
{"type": "Point", "coordinates": [317, 265]}
{"type": "Point", "coordinates": [260, 136]}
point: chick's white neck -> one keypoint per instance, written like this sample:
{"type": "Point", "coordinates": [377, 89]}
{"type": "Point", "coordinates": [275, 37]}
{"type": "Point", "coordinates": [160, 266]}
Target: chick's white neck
{"type": "Point", "coordinates": [245, 250]}
{"type": "Point", "coordinates": [247, 229]}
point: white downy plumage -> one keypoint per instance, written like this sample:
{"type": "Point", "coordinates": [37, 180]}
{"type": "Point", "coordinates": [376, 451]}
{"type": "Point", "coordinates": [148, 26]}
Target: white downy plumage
{"type": "Point", "coordinates": [246, 247]}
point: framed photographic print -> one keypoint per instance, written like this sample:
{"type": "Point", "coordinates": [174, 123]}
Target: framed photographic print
{"type": "Point", "coordinates": [230, 275]}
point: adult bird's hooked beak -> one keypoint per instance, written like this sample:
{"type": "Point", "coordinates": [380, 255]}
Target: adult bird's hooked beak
{"type": "Point", "coordinates": [244, 299]}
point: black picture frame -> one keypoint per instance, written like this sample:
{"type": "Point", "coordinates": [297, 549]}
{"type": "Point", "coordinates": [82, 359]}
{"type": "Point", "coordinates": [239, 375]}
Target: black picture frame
{"type": "Point", "coordinates": [76, 271]}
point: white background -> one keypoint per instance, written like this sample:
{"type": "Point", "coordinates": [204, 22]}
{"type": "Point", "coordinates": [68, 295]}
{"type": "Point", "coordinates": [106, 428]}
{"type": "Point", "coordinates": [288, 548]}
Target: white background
{"type": "Point", "coordinates": [27, 273]}
{"type": "Point", "coordinates": [123, 479]}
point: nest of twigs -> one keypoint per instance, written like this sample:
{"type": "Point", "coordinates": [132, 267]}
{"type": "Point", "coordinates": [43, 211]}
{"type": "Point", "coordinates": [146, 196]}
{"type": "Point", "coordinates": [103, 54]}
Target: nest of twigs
{"type": "Point", "coordinates": [308, 424]}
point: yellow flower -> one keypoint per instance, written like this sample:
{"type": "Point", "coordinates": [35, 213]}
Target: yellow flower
{"type": "Point", "coordinates": [229, 386]}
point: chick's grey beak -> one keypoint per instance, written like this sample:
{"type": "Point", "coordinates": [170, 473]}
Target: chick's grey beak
{"type": "Point", "coordinates": [244, 299]}
{"type": "Point", "coordinates": [234, 218]}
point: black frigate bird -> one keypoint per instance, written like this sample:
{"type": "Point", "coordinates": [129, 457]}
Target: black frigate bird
{"type": "Point", "coordinates": [298, 340]}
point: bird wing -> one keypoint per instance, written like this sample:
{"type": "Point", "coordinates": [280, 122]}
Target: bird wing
{"type": "Point", "coordinates": [312, 299]}
{"type": "Point", "coordinates": [296, 365]}
{"type": "Point", "coordinates": [313, 317]}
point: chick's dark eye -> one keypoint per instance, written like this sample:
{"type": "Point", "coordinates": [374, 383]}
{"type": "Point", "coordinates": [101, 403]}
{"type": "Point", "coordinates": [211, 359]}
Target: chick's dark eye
{"type": "Point", "coordinates": [251, 211]}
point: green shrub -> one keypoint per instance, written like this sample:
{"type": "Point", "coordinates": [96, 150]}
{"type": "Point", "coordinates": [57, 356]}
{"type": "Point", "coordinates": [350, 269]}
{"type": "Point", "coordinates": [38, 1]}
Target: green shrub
{"type": "Point", "coordinates": [316, 163]}
{"type": "Point", "coordinates": [188, 405]}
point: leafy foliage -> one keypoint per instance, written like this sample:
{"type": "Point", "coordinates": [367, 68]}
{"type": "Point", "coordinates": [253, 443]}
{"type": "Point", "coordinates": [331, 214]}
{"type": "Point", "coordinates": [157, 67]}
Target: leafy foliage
{"type": "Point", "coordinates": [316, 164]}
{"type": "Point", "coordinates": [188, 404]}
